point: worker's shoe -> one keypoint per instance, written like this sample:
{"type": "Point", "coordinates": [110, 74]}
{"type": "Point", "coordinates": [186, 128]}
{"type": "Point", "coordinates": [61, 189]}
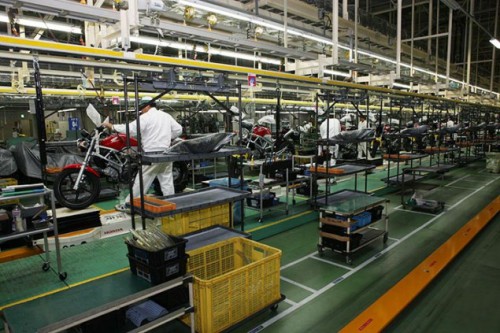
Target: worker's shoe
{"type": "Point", "coordinates": [122, 208]}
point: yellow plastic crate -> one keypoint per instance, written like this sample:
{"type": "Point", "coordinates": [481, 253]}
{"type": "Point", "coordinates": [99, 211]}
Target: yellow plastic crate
{"type": "Point", "coordinates": [4, 182]}
{"type": "Point", "coordinates": [233, 279]}
{"type": "Point", "coordinates": [183, 223]}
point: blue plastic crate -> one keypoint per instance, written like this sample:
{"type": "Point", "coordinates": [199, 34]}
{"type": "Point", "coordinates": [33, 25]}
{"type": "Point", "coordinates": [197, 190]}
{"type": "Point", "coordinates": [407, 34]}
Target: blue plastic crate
{"type": "Point", "coordinates": [362, 219]}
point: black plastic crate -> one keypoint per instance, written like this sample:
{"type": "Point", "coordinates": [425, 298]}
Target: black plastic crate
{"type": "Point", "coordinates": [340, 245]}
{"type": "Point", "coordinates": [158, 274]}
{"type": "Point", "coordinates": [376, 213]}
{"type": "Point", "coordinates": [178, 250]}
{"type": "Point", "coordinates": [267, 201]}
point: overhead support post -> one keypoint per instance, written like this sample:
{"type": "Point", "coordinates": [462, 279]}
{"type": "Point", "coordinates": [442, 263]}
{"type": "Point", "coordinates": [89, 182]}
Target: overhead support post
{"type": "Point", "coordinates": [493, 52]}
{"type": "Point", "coordinates": [469, 48]}
{"type": "Point", "coordinates": [429, 29]}
{"type": "Point", "coordinates": [139, 149]}
{"type": "Point", "coordinates": [335, 32]}
{"type": "Point", "coordinates": [412, 36]}
{"type": "Point", "coordinates": [285, 25]}
{"type": "Point", "coordinates": [40, 120]}
{"type": "Point", "coordinates": [345, 13]}
{"type": "Point", "coordinates": [127, 135]}
{"type": "Point", "coordinates": [398, 38]}
{"type": "Point", "coordinates": [448, 51]}
{"type": "Point", "coordinates": [436, 57]}
{"type": "Point", "coordinates": [356, 18]}
{"type": "Point", "coordinates": [277, 115]}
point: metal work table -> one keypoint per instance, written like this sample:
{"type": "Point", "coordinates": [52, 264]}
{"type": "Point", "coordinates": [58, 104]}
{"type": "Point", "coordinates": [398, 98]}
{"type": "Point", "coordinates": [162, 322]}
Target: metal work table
{"type": "Point", "coordinates": [349, 169]}
{"type": "Point", "coordinates": [441, 168]}
{"type": "Point", "coordinates": [398, 179]}
{"type": "Point", "coordinates": [404, 157]}
{"type": "Point", "coordinates": [200, 199]}
{"type": "Point", "coordinates": [211, 235]}
{"type": "Point", "coordinates": [347, 202]}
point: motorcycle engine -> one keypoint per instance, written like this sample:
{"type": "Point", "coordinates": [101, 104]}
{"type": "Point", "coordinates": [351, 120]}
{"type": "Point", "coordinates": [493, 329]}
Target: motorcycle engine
{"type": "Point", "coordinates": [132, 168]}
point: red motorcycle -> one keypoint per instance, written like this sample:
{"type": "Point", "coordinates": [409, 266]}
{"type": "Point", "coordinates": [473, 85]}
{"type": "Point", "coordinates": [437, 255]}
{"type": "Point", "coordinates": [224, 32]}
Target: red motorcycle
{"type": "Point", "coordinates": [106, 156]}
{"type": "Point", "coordinates": [78, 185]}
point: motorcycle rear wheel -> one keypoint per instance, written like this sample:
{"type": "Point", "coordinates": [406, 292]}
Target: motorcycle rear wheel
{"type": "Point", "coordinates": [86, 194]}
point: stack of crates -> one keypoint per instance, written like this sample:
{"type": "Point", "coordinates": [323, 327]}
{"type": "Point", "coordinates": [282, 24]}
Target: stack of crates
{"type": "Point", "coordinates": [184, 223]}
{"type": "Point", "coordinates": [159, 266]}
{"type": "Point", "coordinates": [233, 279]}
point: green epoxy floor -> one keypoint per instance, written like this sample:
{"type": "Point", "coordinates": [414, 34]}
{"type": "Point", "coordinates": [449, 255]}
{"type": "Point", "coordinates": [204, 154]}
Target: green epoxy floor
{"type": "Point", "coordinates": [323, 293]}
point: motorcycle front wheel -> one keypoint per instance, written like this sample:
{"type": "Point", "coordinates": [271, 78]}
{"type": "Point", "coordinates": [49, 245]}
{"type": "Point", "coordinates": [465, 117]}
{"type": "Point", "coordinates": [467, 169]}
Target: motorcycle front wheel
{"type": "Point", "coordinates": [87, 192]}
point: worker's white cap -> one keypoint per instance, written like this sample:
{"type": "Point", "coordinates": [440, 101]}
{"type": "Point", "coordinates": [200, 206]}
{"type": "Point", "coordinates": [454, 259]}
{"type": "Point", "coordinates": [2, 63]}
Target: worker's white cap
{"type": "Point", "coordinates": [145, 100]}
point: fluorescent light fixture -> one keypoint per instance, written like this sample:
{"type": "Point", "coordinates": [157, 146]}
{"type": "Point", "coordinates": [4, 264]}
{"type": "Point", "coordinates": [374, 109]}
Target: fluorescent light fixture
{"type": "Point", "coordinates": [400, 85]}
{"type": "Point", "coordinates": [337, 73]}
{"type": "Point", "coordinates": [203, 49]}
{"type": "Point", "coordinates": [495, 42]}
{"type": "Point", "coordinates": [38, 23]}
{"type": "Point", "coordinates": [66, 110]}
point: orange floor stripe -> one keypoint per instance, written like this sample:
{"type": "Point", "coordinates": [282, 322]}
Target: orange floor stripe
{"type": "Point", "coordinates": [17, 253]}
{"type": "Point", "coordinates": [378, 315]}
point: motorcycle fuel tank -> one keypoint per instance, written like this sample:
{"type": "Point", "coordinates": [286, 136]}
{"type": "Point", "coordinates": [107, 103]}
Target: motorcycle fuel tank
{"type": "Point", "coordinates": [117, 141]}
{"type": "Point", "coordinates": [261, 131]}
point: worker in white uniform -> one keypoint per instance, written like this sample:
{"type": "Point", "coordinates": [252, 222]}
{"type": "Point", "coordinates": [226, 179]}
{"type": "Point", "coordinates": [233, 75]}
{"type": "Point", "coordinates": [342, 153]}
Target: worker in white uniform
{"type": "Point", "coordinates": [362, 152]}
{"type": "Point", "coordinates": [158, 129]}
{"type": "Point", "coordinates": [328, 129]}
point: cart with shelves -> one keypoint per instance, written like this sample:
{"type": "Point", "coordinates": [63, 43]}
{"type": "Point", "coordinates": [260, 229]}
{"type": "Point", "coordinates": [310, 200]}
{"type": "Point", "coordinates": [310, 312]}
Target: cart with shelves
{"type": "Point", "coordinates": [267, 181]}
{"type": "Point", "coordinates": [346, 222]}
{"type": "Point", "coordinates": [32, 231]}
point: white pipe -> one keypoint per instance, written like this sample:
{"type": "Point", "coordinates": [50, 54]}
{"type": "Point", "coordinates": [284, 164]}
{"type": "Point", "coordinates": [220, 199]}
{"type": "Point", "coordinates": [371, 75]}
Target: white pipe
{"type": "Point", "coordinates": [493, 54]}
{"type": "Point", "coordinates": [398, 39]}
{"type": "Point", "coordinates": [356, 18]}
{"type": "Point", "coordinates": [448, 53]}
{"type": "Point", "coordinates": [412, 36]}
{"type": "Point", "coordinates": [436, 65]}
{"type": "Point", "coordinates": [335, 32]}
{"type": "Point", "coordinates": [429, 32]}
{"type": "Point", "coordinates": [469, 48]}
{"type": "Point", "coordinates": [345, 13]}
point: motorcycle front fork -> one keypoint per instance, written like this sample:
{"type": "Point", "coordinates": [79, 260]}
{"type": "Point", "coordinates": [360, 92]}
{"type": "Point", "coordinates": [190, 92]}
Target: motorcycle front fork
{"type": "Point", "coordinates": [84, 166]}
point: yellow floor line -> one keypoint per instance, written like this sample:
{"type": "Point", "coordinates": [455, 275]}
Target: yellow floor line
{"type": "Point", "coordinates": [61, 289]}
{"type": "Point", "coordinates": [99, 277]}
{"type": "Point", "coordinates": [279, 221]}
{"type": "Point", "coordinates": [378, 315]}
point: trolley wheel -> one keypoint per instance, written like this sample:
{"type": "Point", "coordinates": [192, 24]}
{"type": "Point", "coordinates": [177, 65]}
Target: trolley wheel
{"type": "Point", "coordinates": [260, 220]}
{"type": "Point", "coordinates": [286, 212]}
{"type": "Point", "coordinates": [45, 266]}
{"type": "Point", "coordinates": [386, 237]}
{"type": "Point", "coordinates": [63, 276]}
{"type": "Point", "coordinates": [321, 251]}
{"type": "Point", "coordinates": [274, 307]}
{"type": "Point", "coordinates": [348, 260]}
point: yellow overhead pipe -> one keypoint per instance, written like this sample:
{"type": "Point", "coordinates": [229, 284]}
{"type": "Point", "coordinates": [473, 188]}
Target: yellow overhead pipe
{"type": "Point", "coordinates": [183, 97]}
{"type": "Point", "coordinates": [48, 46]}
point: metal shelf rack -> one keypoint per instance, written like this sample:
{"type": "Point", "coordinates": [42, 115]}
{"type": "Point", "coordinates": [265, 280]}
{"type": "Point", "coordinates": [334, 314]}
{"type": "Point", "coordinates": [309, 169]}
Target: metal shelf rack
{"type": "Point", "coordinates": [44, 231]}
